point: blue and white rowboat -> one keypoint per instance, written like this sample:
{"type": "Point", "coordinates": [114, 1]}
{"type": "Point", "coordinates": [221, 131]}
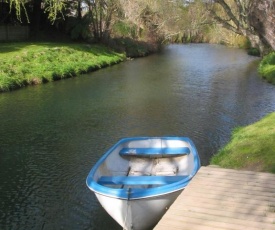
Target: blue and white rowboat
{"type": "Point", "coordinates": [138, 178]}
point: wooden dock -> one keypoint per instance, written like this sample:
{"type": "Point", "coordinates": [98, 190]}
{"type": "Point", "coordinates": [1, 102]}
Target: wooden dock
{"type": "Point", "coordinates": [223, 199]}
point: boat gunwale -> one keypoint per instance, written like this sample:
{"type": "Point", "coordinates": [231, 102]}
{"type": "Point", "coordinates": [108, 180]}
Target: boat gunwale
{"type": "Point", "coordinates": [133, 193]}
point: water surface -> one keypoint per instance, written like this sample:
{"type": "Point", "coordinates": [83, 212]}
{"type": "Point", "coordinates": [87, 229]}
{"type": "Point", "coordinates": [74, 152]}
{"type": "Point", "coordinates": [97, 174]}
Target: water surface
{"type": "Point", "coordinates": [51, 135]}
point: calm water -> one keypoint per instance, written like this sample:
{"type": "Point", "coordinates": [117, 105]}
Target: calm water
{"type": "Point", "coordinates": [51, 135]}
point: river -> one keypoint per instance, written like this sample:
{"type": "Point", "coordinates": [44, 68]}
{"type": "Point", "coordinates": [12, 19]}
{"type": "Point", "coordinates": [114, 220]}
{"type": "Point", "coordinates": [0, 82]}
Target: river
{"type": "Point", "coordinates": [51, 135]}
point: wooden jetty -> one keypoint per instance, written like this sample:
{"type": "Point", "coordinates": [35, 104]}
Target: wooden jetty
{"type": "Point", "coordinates": [224, 199]}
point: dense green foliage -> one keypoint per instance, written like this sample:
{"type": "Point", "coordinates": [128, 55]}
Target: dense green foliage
{"type": "Point", "coordinates": [267, 68]}
{"type": "Point", "coordinates": [251, 147]}
{"type": "Point", "coordinates": [25, 63]}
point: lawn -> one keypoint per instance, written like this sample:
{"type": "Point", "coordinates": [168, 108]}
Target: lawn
{"type": "Point", "coordinates": [251, 147]}
{"type": "Point", "coordinates": [34, 63]}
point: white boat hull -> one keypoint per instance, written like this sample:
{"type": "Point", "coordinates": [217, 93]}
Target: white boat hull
{"type": "Point", "coordinates": [139, 178]}
{"type": "Point", "coordinates": [139, 214]}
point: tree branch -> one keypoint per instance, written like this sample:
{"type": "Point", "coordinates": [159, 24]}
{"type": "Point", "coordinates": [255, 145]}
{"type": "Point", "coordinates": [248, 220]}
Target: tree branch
{"type": "Point", "coordinates": [226, 25]}
{"type": "Point", "coordinates": [228, 11]}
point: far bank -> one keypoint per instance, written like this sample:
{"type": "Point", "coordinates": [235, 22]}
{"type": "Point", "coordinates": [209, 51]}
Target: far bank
{"type": "Point", "coordinates": [27, 63]}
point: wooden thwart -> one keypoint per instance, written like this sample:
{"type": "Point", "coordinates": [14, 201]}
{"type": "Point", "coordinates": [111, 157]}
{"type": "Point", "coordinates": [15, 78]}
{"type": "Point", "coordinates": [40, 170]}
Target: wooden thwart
{"type": "Point", "coordinates": [224, 199]}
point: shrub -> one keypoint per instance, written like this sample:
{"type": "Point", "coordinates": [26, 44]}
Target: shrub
{"type": "Point", "coordinates": [254, 52]}
{"type": "Point", "coordinates": [267, 68]}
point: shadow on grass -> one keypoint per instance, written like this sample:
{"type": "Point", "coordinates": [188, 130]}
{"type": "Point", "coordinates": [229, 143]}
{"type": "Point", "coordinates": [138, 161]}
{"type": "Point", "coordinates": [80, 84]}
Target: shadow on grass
{"type": "Point", "coordinates": [95, 49]}
{"type": "Point", "coordinates": [11, 47]}
{"type": "Point", "coordinates": [32, 51]}
{"type": "Point", "coordinates": [128, 46]}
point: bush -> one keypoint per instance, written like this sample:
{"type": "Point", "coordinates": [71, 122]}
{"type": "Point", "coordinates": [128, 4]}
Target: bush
{"type": "Point", "coordinates": [254, 52]}
{"type": "Point", "coordinates": [267, 68]}
{"type": "Point", "coordinates": [131, 47]}
{"type": "Point", "coordinates": [122, 29]}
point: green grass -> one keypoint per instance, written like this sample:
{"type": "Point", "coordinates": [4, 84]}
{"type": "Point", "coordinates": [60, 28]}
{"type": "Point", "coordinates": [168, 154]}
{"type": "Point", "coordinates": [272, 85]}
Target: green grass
{"type": "Point", "coordinates": [267, 68]}
{"type": "Point", "coordinates": [34, 63]}
{"type": "Point", "coordinates": [251, 147]}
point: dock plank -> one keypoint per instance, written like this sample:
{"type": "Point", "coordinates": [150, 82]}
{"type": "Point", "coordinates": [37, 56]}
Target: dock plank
{"type": "Point", "coordinates": [219, 198]}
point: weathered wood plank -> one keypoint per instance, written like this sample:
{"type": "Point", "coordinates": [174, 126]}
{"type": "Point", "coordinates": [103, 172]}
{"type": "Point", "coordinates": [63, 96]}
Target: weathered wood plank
{"type": "Point", "coordinates": [242, 207]}
{"type": "Point", "coordinates": [208, 184]}
{"type": "Point", "coordinates": [238, 181]}
{"type": "Point", "coordinates": [224, 194]}
{"type": "Point", "coordinates": [220, 172]}
{"type": "Point", "coordinates": [235, 214]}
{"type": "Point", "coordinates": [204, 219]}
{"type": "Point", "coordinates": [224, 199]}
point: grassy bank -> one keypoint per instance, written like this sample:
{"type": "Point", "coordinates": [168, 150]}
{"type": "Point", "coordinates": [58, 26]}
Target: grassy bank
{"type": "Point", "coordinates": [267, 68]}
{"type": "Point", "coordinates": [26, 63]}
{"type": "Point", "coordinates": [251, 147]}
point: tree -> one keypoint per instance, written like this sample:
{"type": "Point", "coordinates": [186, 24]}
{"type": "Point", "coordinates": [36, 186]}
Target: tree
{"type": "Point", "coordinates": [235, 15]}
{"type": "Point", "coordinates": [156, 20]}
{"type": "Point", "coordinates": [101, 13]}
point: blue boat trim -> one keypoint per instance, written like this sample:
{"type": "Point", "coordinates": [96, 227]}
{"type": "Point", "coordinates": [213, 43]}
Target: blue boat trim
{"type": "Point", "coordinates": [155, 152]}
{"type": "Point", "coordinates": [139, 180]}
{"type": "Point", "coordinates": [136, 193]}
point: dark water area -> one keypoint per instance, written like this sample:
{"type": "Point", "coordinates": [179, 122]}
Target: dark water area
{"type": "Point", "coordinates": [51, 135]}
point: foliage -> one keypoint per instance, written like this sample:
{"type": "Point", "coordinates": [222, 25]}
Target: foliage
{"type": "Point", "coordinates": [19, 6]}
{"type": "Point", "coordinates": [53, 7]}
{"type": "Point", "coordinates": [267, 68]}
{"type": "Point", "coordinates": [157, 21]}
{"type": "Point", "coordinates": [219, 35]}
{"type": "Point", "coordinates": [78, 28]}
{"type": "Point", "coordinates": [251, 147]}
{"type": "Point", "coordinates": [254, 52]}
{"type": "Point", "coordinates": [26, 63]}
{"type": "Point", "coordinates": [101, 14]}
{"type": "Point", "coordinates": [131, 47]}
{"type": "Point", "coordinates": [162, 21]}
{"type": "Point", "coordinates": [123, 29]}
{"type": "Point", "coordinates": [194, 22]}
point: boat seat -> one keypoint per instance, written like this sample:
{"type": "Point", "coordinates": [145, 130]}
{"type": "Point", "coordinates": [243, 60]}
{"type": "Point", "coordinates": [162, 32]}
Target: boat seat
{"type": "Point", "coordinates": [139, 180]}
{"type": "Point", "coordinates": [155, 152]}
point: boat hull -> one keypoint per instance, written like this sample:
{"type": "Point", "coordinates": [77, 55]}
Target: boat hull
{"type": "Point", "coordinates": [138, 178]}
{"type": "Point", "coordinates": [138, 214]}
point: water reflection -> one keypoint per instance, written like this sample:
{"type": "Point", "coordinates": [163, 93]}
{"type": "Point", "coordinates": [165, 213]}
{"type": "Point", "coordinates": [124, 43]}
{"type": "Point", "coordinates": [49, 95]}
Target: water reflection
{"type": "Point", "coordinates": [52, 134]}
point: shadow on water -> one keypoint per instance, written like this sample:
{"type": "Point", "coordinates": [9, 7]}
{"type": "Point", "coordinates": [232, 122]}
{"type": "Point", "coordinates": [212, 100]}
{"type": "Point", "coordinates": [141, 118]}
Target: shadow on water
{"type": "Point", "coordinates": [53, 134]}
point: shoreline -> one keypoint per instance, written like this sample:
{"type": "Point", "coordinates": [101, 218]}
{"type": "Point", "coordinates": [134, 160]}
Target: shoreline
{"type": "Point", "coordinates": [32, 63]}
{"type": "Point", "coordinates": [250, 147]}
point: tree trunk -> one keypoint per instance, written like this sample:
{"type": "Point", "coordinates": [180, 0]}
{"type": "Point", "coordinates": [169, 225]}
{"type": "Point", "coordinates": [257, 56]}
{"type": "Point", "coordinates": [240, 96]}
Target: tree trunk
{"type": "Point", "coordinates": [79, 10]}
{"type": "Point", "coordinates": [239, 22]}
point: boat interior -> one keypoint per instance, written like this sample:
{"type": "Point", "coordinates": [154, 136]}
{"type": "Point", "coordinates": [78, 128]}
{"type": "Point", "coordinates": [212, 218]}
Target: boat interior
{"type": "Point", "coordinates": [145, 167]}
